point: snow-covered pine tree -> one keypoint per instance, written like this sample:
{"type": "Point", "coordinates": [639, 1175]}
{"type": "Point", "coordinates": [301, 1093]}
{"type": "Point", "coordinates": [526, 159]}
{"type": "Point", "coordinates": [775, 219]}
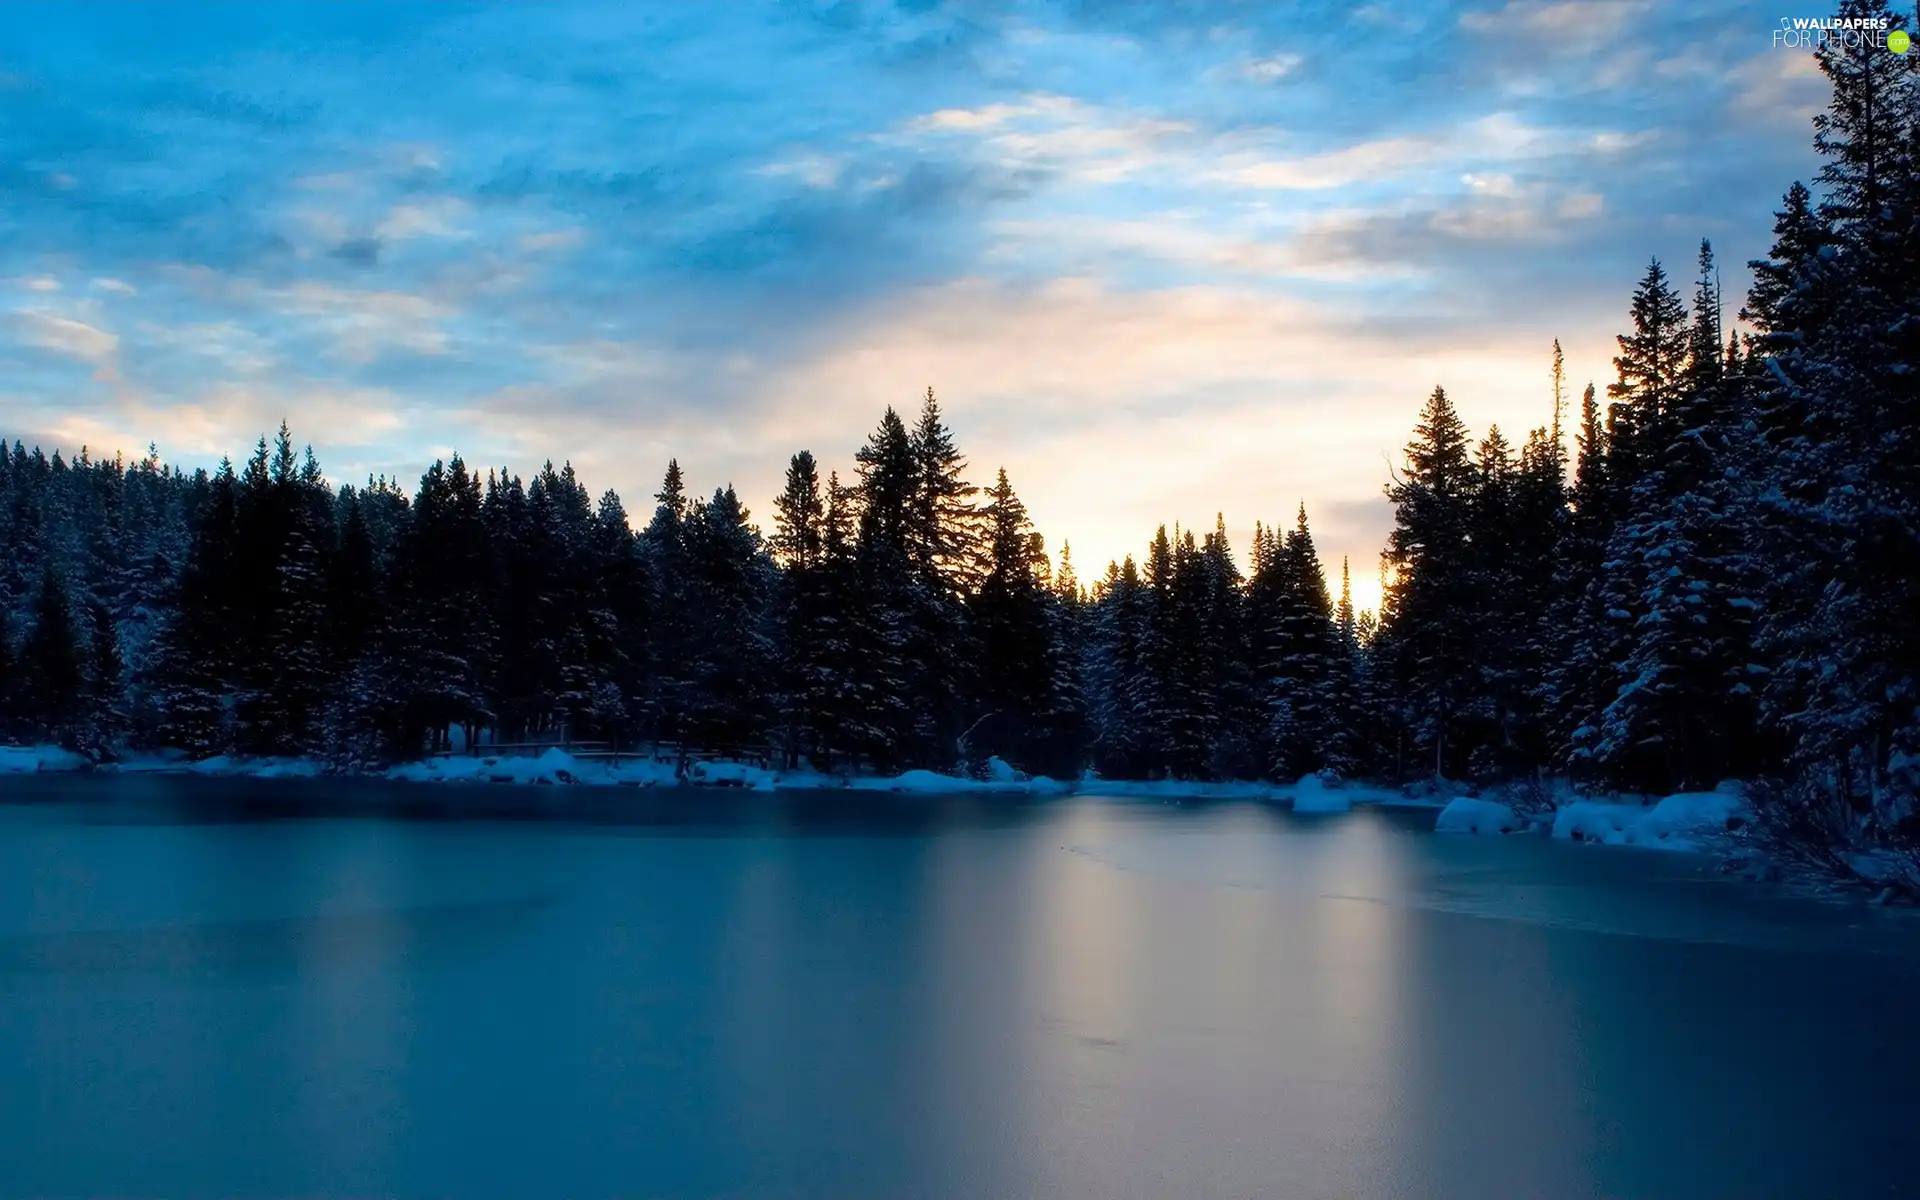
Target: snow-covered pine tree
{"type": "Point", "coordinates": [1623, 743]}
{"type": "Point", "coordinates": [1841, 328]}
{"type": "Point", "coordinates": [103, 724]}
{"type": "Point", "coordinates": [52, 667]}
{"type": "Point", "coordinates": [1578, 679]}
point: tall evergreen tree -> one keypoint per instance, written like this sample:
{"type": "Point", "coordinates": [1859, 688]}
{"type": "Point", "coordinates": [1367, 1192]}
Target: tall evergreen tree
{"type": "Point", "coordinates": [1011, 627]}
{"type": "Point", "coordinates": [1425, 630]}
{"type": "Point", "coordinates": [52, 661]}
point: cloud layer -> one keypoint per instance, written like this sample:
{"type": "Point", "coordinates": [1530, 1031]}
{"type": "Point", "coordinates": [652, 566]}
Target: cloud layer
{"type": "Point", "coordinates": [1159, 260]}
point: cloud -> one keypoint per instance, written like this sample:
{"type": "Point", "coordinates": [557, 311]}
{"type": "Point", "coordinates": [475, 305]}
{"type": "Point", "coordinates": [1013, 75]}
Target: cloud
{"type": "Point", "coordinates": [1571, 20]}
{"type": "Point", "coordinates": [1058, 135]}
{"type": "Point", "coordinates": [554, 239]}
{"type": "Point", "coordinates": [64, 335]}
{"type": "Point", "coordinates": [1219, 249]}
{"type": "Point", "coordinates": [438, 216]}
{"type": "Point", "coordinates": [1272, 68]}
{"type": "Point", "coordinates": [1331, 169]}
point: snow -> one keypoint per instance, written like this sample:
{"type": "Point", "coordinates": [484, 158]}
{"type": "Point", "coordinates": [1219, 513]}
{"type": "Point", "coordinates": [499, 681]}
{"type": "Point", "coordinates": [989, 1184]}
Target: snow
{"type": "Point", "coordinates": [1678, 822]}
{"type": "Point", "coordinates": [1468, 815]}
{"type": "Point", "coordinates": [258, 768]}
{"type": "Point", "coordinates": [29, 760]}
{"type": "Point", "coordinates": [556, 766]}
{"type": "Point", "coordinates": [1312, 795]}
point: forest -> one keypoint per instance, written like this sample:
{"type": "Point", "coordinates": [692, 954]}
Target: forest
{"type": "Point", "coordinates": [1707, 570]}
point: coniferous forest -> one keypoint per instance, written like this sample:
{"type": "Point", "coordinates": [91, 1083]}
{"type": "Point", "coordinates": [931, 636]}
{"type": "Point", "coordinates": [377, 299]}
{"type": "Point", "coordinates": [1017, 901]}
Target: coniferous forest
{"type": "Point", "coordinates": [1708, 568]}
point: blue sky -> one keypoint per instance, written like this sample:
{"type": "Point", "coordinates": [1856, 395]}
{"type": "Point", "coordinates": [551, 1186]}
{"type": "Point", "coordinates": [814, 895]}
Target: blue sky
{"type": "Point", "coordinates": [1158, 259]}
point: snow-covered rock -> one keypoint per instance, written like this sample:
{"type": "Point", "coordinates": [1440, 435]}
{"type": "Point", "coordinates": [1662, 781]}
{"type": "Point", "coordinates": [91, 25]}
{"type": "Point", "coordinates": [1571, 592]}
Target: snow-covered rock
{"type": "Point", "coordinates": [1464, 814]}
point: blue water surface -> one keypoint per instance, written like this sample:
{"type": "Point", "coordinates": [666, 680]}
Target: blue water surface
{"type": "Point", "coordinates": [737, 994]}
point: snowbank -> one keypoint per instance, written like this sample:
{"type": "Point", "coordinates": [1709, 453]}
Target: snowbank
{"type": "Point", "coordinates": [1464, 814]}
{"type": "Point", "coordinates": [1312, 795]}
{"type": "Point", "coordinates": [29, 760]}
{"type": "Point", "coordinates": [1678, 822]}
{"type": "Point", "coordinates": [256, 768]}
{"type": "Point", "coordinates": [559, 767]}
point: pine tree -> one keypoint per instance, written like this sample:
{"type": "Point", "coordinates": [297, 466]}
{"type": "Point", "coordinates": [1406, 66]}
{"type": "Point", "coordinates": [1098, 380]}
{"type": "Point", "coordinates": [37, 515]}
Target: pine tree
{"type": "Point", "coordinates": [1842, 336]}
{"type": "Point", "coordinates": [620, 592]}
{"type": "Point", "coordinates": [1066, 720]}
{"type": "Point", "coordinates": [1425, 636]}
{"type": "Point", "coordinates": [673, 642]}
{"type": "Point", "coordinates": [51, 661]}
{"type": "Point", "coordinates": [1123, 743]}
{"type": "Point", "coordinates": [945, 564]}
{"type": "Point", "coordinates": [729, 581]}
{"type": "Point", "coordinates": [442, 636]}
{"type": "Point", "coordinates": [195, 666]}
{"type": "Point", "coordinates": [1652, 365]}
{"type": "Point", "coordinates": [104, 724]}
{"type": "Point", "coordinates": [799, 544]}
{"type": "Point", "coordinates": [1016, 666]}
{"type": "Point", "coordinates": [1302, 707]}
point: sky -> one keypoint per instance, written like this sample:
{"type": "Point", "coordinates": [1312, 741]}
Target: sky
{"type": "Point", "coordinates": [1158, 260]}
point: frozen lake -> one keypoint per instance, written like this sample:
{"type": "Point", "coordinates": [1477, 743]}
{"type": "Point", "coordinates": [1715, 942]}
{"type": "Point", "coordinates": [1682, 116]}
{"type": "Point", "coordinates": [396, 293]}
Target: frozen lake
{"type": "Point", "coordinates": [823, 996]}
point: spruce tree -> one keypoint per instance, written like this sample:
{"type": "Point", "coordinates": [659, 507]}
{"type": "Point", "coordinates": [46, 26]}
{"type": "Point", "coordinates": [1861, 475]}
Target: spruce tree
{"type": "Point", "coordinates": [1426, 638]}
{"type": "Point", "coordinates": [1011, 628]}
{"type": "Point", "coordinates": [729, 577]}
{"type": "Point", "coordinates": [1302, 701]}
{"type": "Point", "coordinates": [52, 663]}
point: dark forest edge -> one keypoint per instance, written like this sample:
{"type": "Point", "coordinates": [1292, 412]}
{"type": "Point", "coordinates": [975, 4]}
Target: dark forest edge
{"type": "Point", "coordinates": [1722, 583]}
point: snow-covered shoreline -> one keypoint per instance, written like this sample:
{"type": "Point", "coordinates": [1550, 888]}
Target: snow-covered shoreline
{"type": "Point", "coordinates": [1686, 821]}
{"type": "Point", "coordinates": [558, 767]}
